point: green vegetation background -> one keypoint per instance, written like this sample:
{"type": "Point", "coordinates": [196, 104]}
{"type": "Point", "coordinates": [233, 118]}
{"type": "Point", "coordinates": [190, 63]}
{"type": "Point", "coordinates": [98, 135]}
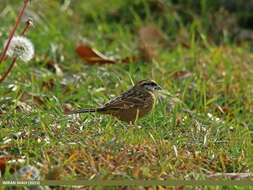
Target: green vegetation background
{"type": "Point", "coordinates": [203, 126]}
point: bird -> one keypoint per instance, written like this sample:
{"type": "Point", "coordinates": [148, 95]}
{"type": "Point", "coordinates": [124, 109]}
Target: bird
{"type": "Point", "coordinates": [129, 105]}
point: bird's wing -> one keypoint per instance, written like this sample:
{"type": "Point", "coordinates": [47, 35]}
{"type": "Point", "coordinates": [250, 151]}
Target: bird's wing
{"type": "Point", "coordinates": [125, 101]}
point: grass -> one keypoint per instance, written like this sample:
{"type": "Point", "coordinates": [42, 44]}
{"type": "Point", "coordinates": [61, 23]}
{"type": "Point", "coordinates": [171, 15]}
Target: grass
{"type": "Point", "coordinates": [203, 126]}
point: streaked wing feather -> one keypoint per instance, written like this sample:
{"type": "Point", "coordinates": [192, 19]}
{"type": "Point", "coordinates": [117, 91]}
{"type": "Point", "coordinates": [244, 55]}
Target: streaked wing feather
{"type": "Point", "coordinates": [125, 101]}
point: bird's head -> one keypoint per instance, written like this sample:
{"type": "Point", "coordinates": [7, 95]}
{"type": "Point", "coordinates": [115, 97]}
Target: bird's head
{"type": "Point", "coordinates": [148, 85]}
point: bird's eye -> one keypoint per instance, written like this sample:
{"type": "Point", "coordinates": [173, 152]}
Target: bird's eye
{"type": "Point", "coordinates": [152, 84]}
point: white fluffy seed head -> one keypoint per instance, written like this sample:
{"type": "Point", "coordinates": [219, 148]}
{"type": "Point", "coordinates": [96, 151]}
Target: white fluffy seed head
{"type": "Point", "coordinates": [20, 47]}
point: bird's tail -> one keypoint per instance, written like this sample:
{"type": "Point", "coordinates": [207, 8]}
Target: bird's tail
{"type": "Point", "coordinates": [88, 110]}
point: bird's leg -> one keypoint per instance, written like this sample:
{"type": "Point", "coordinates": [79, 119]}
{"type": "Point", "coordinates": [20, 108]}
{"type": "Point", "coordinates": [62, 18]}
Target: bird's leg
{"type": "Point", "coordinates": [137, 117]}
{"type": "Point", "coordinates": [134, 125]}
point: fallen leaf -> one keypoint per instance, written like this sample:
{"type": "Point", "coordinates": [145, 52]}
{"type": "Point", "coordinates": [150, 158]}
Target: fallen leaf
{"type": "Point", "coordinates": [224, 111]}
{"type": "Point", "coordinates": [47, 85]}
{"type": "Point", "coordinates": [179, 75]}
{"type": "Point", "coordinates": [151, 39]}
{"type": "Point", "coordinates": [28, 97]}
{"type": "Point", "coordinates": [67, 107]}
{"type": "Point", "coordinates": [4, 162]}
{"type": "Point", "coordinates": [90, 56]}
{"type": "Point", "coordinates": [55, 67]}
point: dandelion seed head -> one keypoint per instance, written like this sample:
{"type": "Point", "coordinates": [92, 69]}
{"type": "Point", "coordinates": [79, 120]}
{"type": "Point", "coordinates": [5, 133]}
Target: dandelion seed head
{"type": "Point", "coordinates": [21, 48]}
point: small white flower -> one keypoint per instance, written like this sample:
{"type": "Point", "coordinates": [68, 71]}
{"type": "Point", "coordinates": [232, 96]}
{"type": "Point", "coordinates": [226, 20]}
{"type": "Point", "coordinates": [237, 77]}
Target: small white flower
{"type": "Point", "coordinates": [21, 48]}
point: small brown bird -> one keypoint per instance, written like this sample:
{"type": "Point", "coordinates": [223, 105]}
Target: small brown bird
{"type": "Point", "coordinates": [132, 104]}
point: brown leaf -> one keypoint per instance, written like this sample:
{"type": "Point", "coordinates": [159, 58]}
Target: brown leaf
{"type": "Point", "coordinates": [224, 111]}
{"type": "Point", "coordinates": [67, 107]}
{"type": "Point", "coordinates": [47, 85]}
{"type": "Point", "coordinates": [55, 67]}
{"type": "Point", "coordinates": [179, 75]}
{"type": "Point", "coordinates": [91, 56]}
{"type": "Point", "coordinates": [28, 97]}
{"type": "Point", "coordinates": [38, 100]}
{"type": "Point", "coordinates": [4, 162]}
{"type": "Point", "coordinates": [150, 40]}
{"type": "Point", "coordinates": [150, 33]}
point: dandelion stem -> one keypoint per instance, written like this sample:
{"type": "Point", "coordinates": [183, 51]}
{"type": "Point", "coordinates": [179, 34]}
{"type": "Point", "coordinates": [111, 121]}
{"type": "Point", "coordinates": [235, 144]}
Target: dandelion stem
{"type": "Point", "coordinates": [13, 31]}
{"type": "Point", "coordinates": [9, 69]}
{"type": "Point", "coordinates": [27, 24]}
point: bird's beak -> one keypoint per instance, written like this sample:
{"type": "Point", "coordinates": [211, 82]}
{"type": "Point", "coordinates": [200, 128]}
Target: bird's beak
{"type": "Point", "coordinates": [158, 88]}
